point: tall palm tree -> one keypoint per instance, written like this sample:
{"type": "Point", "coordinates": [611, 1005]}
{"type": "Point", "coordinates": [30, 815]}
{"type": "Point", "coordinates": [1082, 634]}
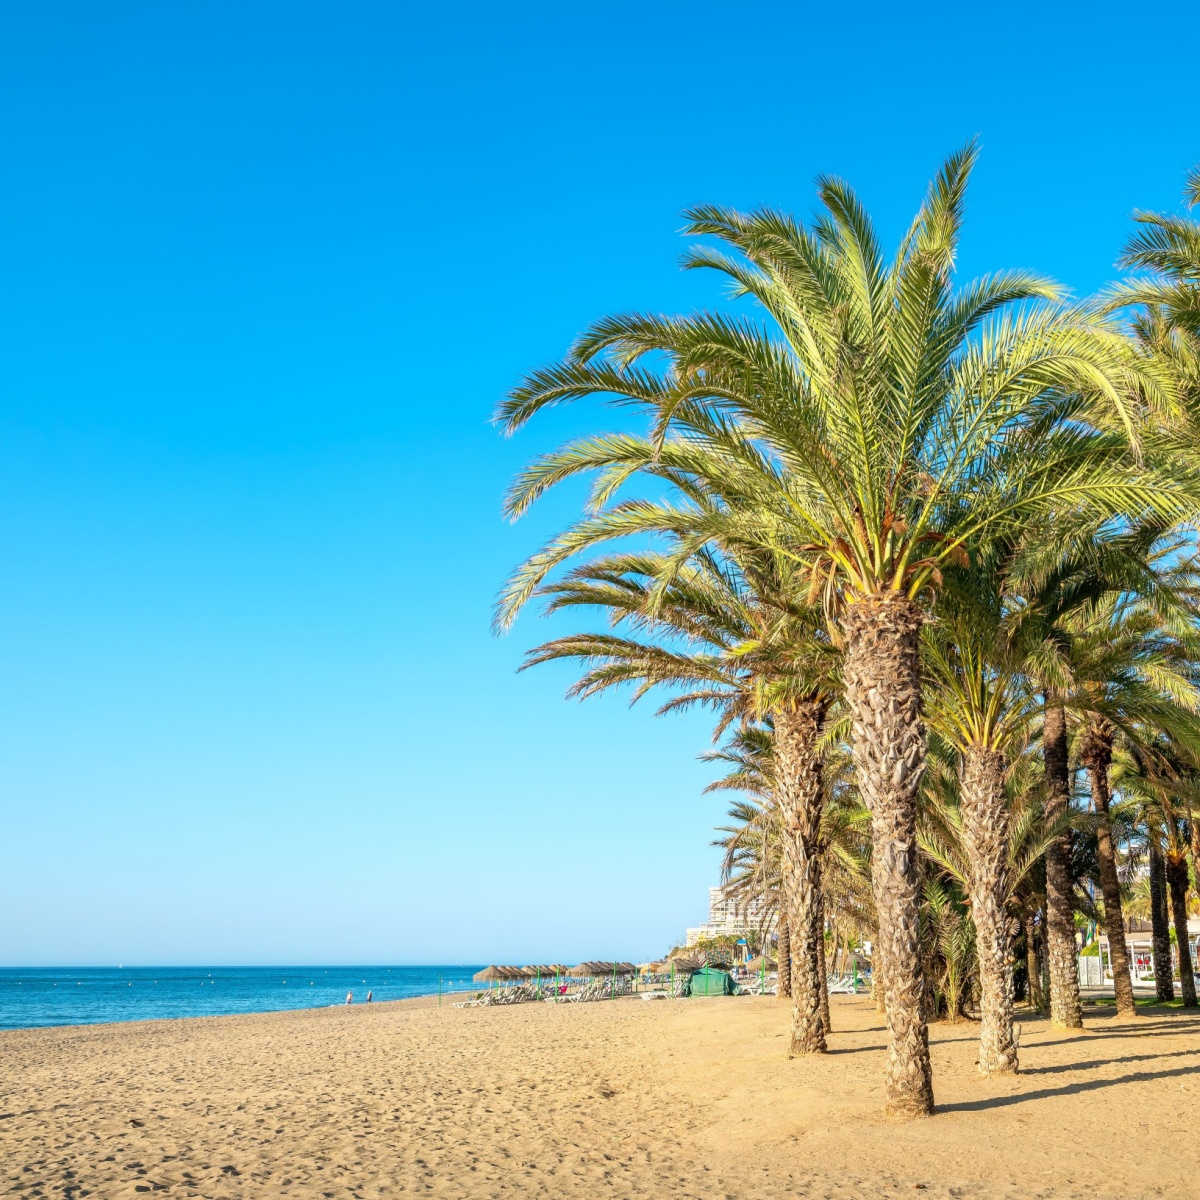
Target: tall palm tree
{"type": "Point", "coordinates": [753, 864]}
{"type": "Point", "coordinates": [1133, 680]}
{"type": "Point", "coordinates": [1165, 778]}
{"type": "Point", "coordinates": [979, 704]}
{"type": "Point", "coordinates": [1164, 986]}
{"type": "Point", "coordinates": [1177, 888]}
{"type": "Point", "coordinates": [1057, 570]}
{"type": "Point", "coordinates": [880, 429]}
{"type": "Point", "coordinates": [732, 629]}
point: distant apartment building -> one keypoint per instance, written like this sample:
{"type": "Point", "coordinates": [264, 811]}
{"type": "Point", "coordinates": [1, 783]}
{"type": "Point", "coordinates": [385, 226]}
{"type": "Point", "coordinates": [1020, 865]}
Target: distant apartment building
{"type": "Point", "coordinates": [727, 915]}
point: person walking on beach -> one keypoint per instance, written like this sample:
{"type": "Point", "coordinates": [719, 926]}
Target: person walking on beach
{"type": "Point", "coordinates": [349, 997]}
{"type": "Point", "coordinates": [369, 995]}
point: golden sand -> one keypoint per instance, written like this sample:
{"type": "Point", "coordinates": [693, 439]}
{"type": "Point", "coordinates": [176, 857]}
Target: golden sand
{"type": "Point", "coordinates": [624, 1098]}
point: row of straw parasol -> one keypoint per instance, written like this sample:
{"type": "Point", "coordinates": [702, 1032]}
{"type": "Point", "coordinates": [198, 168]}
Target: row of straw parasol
{"type": "Point", "coordinates": [586, 970]}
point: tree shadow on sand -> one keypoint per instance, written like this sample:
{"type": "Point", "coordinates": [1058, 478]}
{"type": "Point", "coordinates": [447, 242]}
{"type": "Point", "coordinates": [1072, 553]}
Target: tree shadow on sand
{"type": "Point", "coordinates": [933, 1041]}
{"type": "Point", "coordinates": [1092, 1064]}
{"type": "Point", "coordinates": [1139, 1029]}
{"type": "Point", "coordinates": [1069, 1089]}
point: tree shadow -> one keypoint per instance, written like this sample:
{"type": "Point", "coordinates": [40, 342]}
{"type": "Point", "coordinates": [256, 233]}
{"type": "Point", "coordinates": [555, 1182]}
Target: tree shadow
{"type": "Point", "coordinates": [1071, 1089]}
{"type": "Point", "coordinates": [933, 1041]}
{"type": "Point", "coordinates": [1092, 1064]}
{"type": "Point", "coordinates": [1141, 1029]}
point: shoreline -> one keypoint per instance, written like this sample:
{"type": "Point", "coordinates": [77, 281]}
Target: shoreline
{"type": "Point", "coordinates": [421, 1000]}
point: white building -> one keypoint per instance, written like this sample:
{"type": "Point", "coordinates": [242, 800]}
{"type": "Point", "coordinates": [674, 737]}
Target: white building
{"type": "Point", "coordinates": [726, 915]}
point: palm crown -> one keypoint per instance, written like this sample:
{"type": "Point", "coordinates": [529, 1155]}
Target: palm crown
{"type": "Point", "coordinates": [882, 426]}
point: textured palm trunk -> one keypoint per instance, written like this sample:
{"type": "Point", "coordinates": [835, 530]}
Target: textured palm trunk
{"type": "Point", "coordinates": [800, 794]}
{"type": "Point", "coordinates": [881, 671]}
{"type": "Point", "coordinates": [1033, 973]}
{"type": "Point", "coordinates": [785, 956]}
{"type": "Point", "coordinates": [985, 829]}
{"type": "Point", "coordinates": [1194, 828]}
{"type": "Point", "coordinates": [1096, 754]}
{"type": "Point", "coordinates": [1065, 1009]}
{"type": "Point", "coordinates": [1160, 924]}
{"type": "Point", "coordinates": [823, 966]}
{"type": "Point", "coordinates": [1177, 884]}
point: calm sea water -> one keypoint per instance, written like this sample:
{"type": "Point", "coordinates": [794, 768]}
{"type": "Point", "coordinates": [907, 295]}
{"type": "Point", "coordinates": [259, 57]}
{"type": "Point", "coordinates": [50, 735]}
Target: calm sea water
{"type": "Point", "coordinates": [86, 995]}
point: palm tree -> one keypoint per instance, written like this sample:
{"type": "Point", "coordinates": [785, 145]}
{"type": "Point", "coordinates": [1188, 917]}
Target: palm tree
{"type": "Point", "coordinates": [1164, 777]}
{"type": "Point", "coordinates": [1164, 986]}
{"type": "Point", "coordinates": [949, 839]}
{"type": "Point", "coordinates": [753, 841]}
{"type": "Point", "coordinates": [883, 429]}
{"type": "Point", "coordinates": [980, 708]}
{"type": "Point", "coordinates": [753, 652]}
{"type": "Point", "coordinates": [1177, 886]}
{"type": "Point", "coordinates": [1056, 571]}
{"type": "Point", "coordinates": [1133, 680]}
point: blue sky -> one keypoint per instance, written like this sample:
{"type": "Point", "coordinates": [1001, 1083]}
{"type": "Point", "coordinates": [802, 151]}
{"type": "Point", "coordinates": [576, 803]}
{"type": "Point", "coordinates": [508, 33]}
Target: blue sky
{"type": "Point", "coordinates": [268, 269]}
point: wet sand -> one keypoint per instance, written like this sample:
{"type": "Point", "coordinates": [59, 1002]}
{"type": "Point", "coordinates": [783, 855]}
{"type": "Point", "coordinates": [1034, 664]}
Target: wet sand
{"type": "Point", "coordinates": [625, 1098]}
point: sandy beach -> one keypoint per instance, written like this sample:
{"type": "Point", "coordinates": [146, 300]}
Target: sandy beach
{"type": "Point", "coordinates": [688, 1098]}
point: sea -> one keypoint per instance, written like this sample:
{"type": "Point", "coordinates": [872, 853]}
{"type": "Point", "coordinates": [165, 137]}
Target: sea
{"type": "Point", "coordinates": [31, 997]}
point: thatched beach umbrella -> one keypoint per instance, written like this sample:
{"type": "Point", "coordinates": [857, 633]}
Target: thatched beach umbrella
{"type": "Point", "coordinates": [759, 963]}
{"type": "Point", "coordinates": [489, 975]}
{"type": "Point", "coordinates": [682, 963]}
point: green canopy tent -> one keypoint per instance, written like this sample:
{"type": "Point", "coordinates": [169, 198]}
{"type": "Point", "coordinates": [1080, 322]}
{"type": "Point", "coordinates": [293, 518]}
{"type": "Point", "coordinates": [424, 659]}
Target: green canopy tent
{"type": "Point", "coordinates": [711, 981]}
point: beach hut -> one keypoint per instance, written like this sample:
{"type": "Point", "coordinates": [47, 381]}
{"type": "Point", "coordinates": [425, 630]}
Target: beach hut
{"type": "Point", "coordinates": [712, 981]}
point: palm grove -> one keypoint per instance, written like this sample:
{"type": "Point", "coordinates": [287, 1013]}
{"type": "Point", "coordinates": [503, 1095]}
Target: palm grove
{"type": "Point", "coordinates": [925, 550]}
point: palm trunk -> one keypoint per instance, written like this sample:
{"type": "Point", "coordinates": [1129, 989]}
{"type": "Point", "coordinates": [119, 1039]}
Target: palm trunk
{"type": "Point", "coordinates": [785, 956]}
{"type": "Point", "coordinates": [1033, 974]}
{"type": "Point", "coordinates": [882, 677]}
{"type": "Point", "coordinates": [800, 794]}
{"type": "Point", "coordinates": [1177, 883]}
{"type": "Point", "coordinates": [1097, 757]}
{"type": "Point", "coordinates": [1164, 987]}
{"type": "Point", "coordinates": [1193, 826]}
{"type": "Point", "coordinates": [985, 828]}
{"type": "Point", "coordinates": [823, 968]}
{"type": "Point", "coordinates": [1065, 1009]}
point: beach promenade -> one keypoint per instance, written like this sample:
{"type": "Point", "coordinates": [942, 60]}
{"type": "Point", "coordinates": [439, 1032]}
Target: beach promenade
{"type": "Point", "coordinates": [627, 1098]}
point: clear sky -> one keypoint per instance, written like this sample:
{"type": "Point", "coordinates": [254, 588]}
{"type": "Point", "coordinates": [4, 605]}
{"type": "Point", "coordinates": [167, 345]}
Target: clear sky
{"type": "Point", "coordinates": [267, 270]}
